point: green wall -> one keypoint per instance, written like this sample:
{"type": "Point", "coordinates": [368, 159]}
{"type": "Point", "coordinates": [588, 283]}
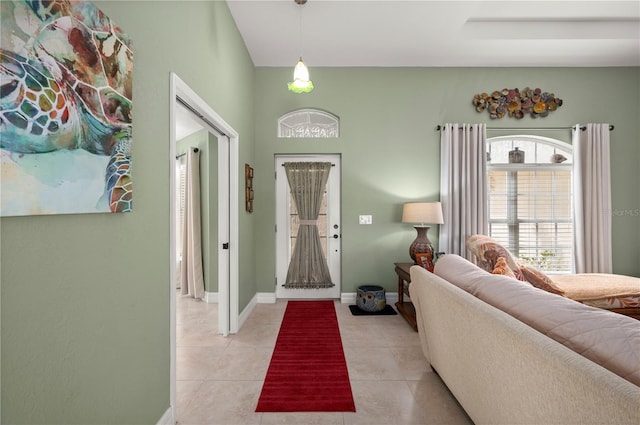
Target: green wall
{"type": "Point", "coordinates": [390, 148]}
{"type": "Point", "coordinates": [85, 298]}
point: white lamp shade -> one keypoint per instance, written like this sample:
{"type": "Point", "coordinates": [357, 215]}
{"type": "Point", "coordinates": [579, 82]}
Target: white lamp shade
{"type": "Point", "coordinates": [301, 82]}
{"type": "Point", "coordinates": [301, 72]}
{"type": "Point", "coordinates": [422, 212]}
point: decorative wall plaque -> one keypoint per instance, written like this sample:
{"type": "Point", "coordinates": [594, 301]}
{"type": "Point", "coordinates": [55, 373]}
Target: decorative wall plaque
{"type": "Point", "coordinates": [248, 188]}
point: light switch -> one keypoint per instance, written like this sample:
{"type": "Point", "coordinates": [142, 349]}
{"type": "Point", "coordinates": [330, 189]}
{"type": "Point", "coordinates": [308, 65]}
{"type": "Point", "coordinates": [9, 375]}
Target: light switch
{"type": "Point", "coordinates": [365, 219]}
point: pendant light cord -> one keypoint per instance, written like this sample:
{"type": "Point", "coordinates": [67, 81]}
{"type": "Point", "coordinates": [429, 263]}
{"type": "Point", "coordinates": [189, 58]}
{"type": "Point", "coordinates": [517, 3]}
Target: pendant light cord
{"type": "Point", "coordinates": [300, 28]}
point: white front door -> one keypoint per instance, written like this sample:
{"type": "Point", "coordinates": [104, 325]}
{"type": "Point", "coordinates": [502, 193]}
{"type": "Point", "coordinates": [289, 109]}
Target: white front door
{"type": "Point", "coordinates": [329, 227]}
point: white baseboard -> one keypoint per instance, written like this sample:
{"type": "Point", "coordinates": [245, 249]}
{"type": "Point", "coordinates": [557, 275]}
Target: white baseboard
{"type": "Point", "coordinates": [270, 298]}
{"type": "Point", "coordinates": [167, 418]}
{"type": "Point", "coordinates": [266, 297]}
{"type": "Point", "coordinates": [350, 297]}
{"type": "Point", "coordinates": [210, 297]}
{"type": "Point", "coordinates": [345, 298]}
{"type": "Point", "coordinates": [246, 312]}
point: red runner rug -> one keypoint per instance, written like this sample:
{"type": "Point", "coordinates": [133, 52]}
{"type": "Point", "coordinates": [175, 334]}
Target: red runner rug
{"type": "Point", "coordinates": [308, 372]}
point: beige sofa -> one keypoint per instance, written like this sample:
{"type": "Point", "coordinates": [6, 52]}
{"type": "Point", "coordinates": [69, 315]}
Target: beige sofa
{"type": "Point", "coordinates": [514, 354]}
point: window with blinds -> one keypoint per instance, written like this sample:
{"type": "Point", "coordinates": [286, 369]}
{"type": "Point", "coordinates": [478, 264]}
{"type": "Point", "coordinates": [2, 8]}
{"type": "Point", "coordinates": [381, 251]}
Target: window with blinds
{"type": "Point", "coordinates": [530, 203]}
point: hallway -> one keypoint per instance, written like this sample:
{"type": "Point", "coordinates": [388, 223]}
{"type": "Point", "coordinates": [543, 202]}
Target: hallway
{"type": "Point", "coordinates": [219, 379]}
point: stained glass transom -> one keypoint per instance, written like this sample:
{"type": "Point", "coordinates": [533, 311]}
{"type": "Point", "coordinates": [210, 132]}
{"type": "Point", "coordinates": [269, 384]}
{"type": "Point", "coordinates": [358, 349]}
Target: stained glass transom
{"type": "Point", "coordinates": [308, 123]}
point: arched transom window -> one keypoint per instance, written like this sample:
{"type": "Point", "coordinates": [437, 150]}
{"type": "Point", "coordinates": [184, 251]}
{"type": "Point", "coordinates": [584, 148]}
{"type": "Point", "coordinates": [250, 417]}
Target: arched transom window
{"type": "Point", "coordinates": [309, 123]}
{"type": "Point", "coordinates": [530, 202]}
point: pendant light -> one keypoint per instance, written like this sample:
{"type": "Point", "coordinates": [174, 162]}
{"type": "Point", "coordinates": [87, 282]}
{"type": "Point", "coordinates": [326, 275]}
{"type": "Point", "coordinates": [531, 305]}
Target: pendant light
{"type": "Point", "coordinates": [301, 82]}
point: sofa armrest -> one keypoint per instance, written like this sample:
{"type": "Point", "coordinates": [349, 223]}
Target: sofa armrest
{"type": "Point", "coordinates": [503, 371]}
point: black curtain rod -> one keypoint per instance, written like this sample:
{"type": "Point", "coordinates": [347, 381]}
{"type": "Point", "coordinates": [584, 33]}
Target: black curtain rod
{"type": "Point", "coordinates": [183, 154]}
{"type": "Point", "coordinates": [583, 128]}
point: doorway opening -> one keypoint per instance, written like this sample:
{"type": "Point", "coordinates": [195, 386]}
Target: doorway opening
{"type": "Point", "coordinates": [329, 227]}
{"type": "Point", "coordinates": [223, 141]}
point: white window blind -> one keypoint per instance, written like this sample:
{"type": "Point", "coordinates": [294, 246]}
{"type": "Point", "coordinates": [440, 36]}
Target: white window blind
{"type": "Point", "coordinates": [530, 206]}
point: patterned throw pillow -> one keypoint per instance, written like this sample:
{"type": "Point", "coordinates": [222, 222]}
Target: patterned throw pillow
{"type": "Point", "coordinates": [487, 251]}
{"type": "Point", "coordinates": [539, 279]}
{"type": "Point", "coordinates": [502, 268]}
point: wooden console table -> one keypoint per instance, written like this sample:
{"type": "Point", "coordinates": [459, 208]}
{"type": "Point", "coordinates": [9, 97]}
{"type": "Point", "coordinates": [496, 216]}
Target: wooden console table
{"type": "Point", "coordinates": [405, 308]}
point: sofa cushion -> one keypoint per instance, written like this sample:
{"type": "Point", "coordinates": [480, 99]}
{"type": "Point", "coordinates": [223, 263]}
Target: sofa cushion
{"type": "Point", "coordinates": [601, 290]}
{"type": "Point", "coordinates": [467, 275]}
{"type": "Point", "coordinates": [608, 339]}
{"type": "Point", "coordinates": [503, 269]}
{"type": "Point", "coordinates": [487, 251]}
{"type": "Point", "coordinates": [594, 286]}
{"type": "Point", "coordinates": [539, 279]}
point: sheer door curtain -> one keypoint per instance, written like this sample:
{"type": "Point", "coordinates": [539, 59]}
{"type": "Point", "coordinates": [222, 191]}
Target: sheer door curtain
{"type": "Point", "coordinates": [463, 186]}
{"type": "Point", "coordinates": [308, 267]}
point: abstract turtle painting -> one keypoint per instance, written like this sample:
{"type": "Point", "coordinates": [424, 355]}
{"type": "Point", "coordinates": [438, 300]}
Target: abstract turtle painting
{"type": "Point", "coordinates": [66, 75]}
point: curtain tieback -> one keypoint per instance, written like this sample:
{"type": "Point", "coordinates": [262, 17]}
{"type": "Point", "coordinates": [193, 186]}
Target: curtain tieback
{"type": "Point", "coordinates": [308, 222]}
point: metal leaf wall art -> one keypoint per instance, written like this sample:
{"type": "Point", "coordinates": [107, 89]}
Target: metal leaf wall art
{"type": "Point", "coordinates": [517, 103]}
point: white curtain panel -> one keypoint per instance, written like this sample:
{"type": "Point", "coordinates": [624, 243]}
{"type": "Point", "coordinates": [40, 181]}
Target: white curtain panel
{"type": "Point", "coordinates": [191, 275]}
{"type": "Point", "coordinates": [180, 188]}
{"type": "Point", "coordinates": [463, 186]}
{"type": "Point", "coordinates": [592, 199]}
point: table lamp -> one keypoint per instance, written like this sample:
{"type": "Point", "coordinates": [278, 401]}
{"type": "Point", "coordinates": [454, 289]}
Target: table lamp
{"type": "Point", "coordinates": [422, 213]}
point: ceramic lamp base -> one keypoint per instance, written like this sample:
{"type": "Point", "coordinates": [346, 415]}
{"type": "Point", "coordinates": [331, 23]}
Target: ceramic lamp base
{"type": "Point", "coordinates": [421, 244]}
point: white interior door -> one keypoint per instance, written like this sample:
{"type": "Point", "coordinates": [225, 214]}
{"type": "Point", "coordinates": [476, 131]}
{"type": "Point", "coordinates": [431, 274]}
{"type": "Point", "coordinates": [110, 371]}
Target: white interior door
{"type": "Point", "coordinates": [215, 169]}
{"type": "Point", "coordinates": [227, 200]}
{"type": "Point", "coordinates": [329, 226]}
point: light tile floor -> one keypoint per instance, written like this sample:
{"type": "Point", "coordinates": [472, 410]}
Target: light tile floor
{"type": "Point", "coordinates": [219, 379]}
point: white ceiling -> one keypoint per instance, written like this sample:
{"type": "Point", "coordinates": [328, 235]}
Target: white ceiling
{"type": "Point", "coordinates": [187, 122]}
{"type": "Point", "coordinates": [429, 33]}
